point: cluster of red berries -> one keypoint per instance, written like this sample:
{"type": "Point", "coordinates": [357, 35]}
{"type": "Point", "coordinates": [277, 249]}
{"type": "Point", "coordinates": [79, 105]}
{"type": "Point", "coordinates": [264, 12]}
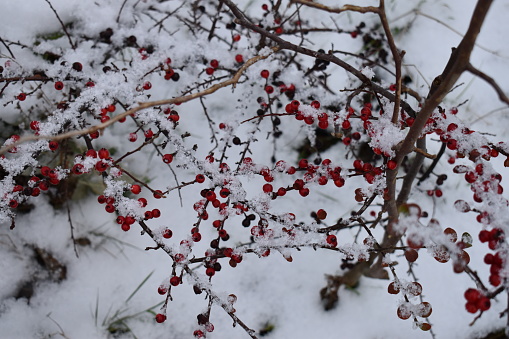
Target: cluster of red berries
{"type": "Point", "coordinates": [293, 108]}
{"type": "Point", "coordinates": [479, 186]}
{"type": "Point", "coordinates": [368, 171]}
{"type": "Point", "coordinates": [103, 116]}
{"type": "Point", "coordinates": [494, 238]}
{"type": "Point", "coordinates": [169, 72]}
{"type": "Point", "coordinates": [476, 301]}
{"type": "Point", "coordinates": [214, 64]}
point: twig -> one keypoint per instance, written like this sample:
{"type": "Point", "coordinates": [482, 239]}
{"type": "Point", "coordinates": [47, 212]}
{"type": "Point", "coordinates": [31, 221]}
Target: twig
{"type": "Point", "coordinates": [62, 23]}
{"type": "Point", "coordinates": [72, 228]}
{"type": "Point", "coordinates": [489, 80]}
{"type": "Point", "coordinates": [120, 11]}
{"type": "Point", "coordinates": [8, 48]}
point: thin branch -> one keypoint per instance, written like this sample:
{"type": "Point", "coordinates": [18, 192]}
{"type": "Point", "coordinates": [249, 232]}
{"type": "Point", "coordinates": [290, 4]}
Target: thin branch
{"type": "Point", "coordinates": [8, 48]}
{"type": "Point", "coordinates": [501, 95]}
{"type": "Point", "coordinates": [72, 228]}
{"type": "Point", "coordinates": [396, 55]}
{"type": "Point", "coordinates": [62, 23]}
{"type": "Point", "coordinates": [120, 11]}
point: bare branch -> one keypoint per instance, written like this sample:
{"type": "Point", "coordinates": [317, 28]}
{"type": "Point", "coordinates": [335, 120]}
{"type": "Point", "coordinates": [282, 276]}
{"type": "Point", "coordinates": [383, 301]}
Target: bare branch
{"type": "Point", "coordinates": [62, 24]}
{"type": "Point", "coordinates": [344, 8]}
{"type": "Point", "coordinates": [501, 95]}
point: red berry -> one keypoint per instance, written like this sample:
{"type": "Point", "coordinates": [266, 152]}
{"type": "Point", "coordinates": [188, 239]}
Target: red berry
{"type": "Point", "coordinates": [174, 281]}
{"type": "Point", "coordinates": [321, 214]}
{"type": "Point", "coordinates": [210, 271]}
{"type": "Point", "coordinates": [198, 334]}
{"type": "Point", "coordinates": [136, 189]}
{"type": "Point", "coordinates": [304, 191]}
{"type": "Point", "coordinates": [167, 158]}
{"type": "Point", "coordinates": [332, 240]}
{"type": "Point", "coordinates": [239, 58]}
{"type": "Point", "coordinates": [484, 303]}
{"type": "Point", "coordinates": [53, 145]}
{"type": "Point", "coordinates": [59, 85]}
{"type": "Point", "coordinates": [34, 125]}
{"type": "Point", "coordinates": [133, 137]}
{"type": "Point", "coordinates": [303, 163]}
{"type": "Point", "coordinates": [160, 318]}
{"type": "Point", "coordinates": [392, 164]}
{"type": "Point", "coordinates": [281, 191]}
{"type": "Point", "coordinates": [148, 134]}
{"type": "Point", "coordinates": [147, 85]}
{"type": "Point", "coordinates": [471, 307]}
{"type": "Point", "coordinates": [265, 74]}
{"type": "Point", "coordinates": [472, 295]}
{"type": "Point", "coordinates": [78, 169]}
{"type": "Point", "coordinates": [21, 97]}
{"type": "Point", "coordinates": [495, 280]}
{"type": "Point", "coordinates": [196, 237]}
{"type": "Point", "coordinates": [156, 213]}
{"type": "Point", "coordinates": [267, 188]}
{"type": "Point", "coordinates": [101, 166]}
{"type": "Point", "coordinates": [167, 233]}
{"type": "Point", "coordinates": [236, 37]}
{"type": "Point", "coordinates": [214, 63]}
{"type": "Point", "coordinates": [103, 153]}
{"type": "Point", "coordinates": [200, 178]}
{"type": "Point", "coordinates": [484, 236]}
